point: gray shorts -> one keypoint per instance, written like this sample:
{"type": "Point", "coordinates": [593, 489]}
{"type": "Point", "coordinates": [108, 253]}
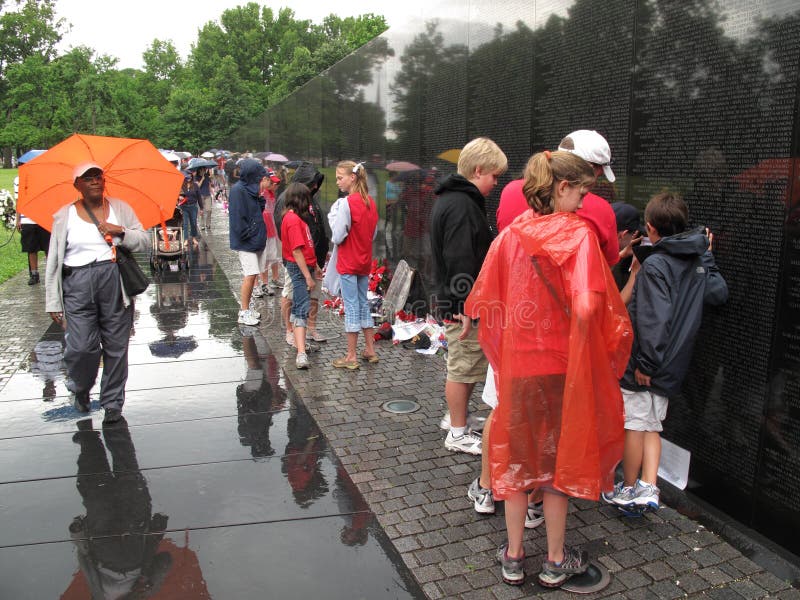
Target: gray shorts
{"type": "Point", "coordinates": [644, 410]}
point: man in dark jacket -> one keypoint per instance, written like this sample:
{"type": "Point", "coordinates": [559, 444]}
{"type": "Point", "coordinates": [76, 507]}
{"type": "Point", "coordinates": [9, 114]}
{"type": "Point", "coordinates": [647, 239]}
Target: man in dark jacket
{"type": "Point", "coordinates": [248, 233]}
{"type": "Point", "coordinates": [460, 239]}
{"type": "Point", "coordinates": [307, 174]}
{"type": "Point", "coordinates": [676, 278]}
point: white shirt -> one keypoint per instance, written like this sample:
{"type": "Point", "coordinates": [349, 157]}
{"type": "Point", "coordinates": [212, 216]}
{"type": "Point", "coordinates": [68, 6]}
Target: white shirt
{"type": "Point", "coordinates": [84, 242]}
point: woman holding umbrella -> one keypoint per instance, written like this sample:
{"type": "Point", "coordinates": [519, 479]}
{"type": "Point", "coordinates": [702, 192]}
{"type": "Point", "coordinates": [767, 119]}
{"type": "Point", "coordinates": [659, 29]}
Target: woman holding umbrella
{"type": "Point", "coordinates": [84, 292]}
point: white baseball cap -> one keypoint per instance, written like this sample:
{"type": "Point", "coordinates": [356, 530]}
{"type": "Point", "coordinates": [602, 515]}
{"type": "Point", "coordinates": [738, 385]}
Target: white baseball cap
{"type": "Point", "coordinates": [83, 167]}
{"type": "Point", "coordinates": [591, 147]}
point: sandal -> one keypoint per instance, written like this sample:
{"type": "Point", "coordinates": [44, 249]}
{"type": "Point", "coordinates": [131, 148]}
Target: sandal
{"type": "Point", "coordinates": [370, 358]}
{"type": "Point", "coordinates": [343, 363]}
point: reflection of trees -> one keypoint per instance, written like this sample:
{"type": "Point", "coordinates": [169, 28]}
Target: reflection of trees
{"type": "Point", "coordinates": [432, 73]}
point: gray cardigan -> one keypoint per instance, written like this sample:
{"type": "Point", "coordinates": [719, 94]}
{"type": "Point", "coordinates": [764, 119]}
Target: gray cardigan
{"type": "Point", "coordinates": [136, 239]}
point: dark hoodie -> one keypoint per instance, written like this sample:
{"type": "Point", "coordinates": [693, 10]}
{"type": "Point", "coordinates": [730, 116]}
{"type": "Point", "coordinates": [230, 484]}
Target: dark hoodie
{"type": "Point", "coordinates": [460, 239]}
{"type": "Point", "coordinates": [247, 229]}
{"type": "Point", "coordinates": [676, 279]}
{"type": "Point", "coordinates": [308, 175]}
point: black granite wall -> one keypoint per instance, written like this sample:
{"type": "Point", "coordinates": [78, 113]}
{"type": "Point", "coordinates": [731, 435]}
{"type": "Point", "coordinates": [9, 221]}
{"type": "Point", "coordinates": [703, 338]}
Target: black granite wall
{"type": "Point", "coordinates": [700, 96]}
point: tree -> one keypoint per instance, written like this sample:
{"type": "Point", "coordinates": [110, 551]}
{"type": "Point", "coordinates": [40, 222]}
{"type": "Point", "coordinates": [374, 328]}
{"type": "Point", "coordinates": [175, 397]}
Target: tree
{"type": "Point", "coordinates": [30, 31]}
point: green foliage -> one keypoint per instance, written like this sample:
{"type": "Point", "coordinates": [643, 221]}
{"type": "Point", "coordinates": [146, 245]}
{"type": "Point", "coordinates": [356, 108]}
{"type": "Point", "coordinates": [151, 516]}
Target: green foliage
{"type": "Point", "coordinates": [12, 260]}
{"type": "Point", "coordinates": [252, 58]}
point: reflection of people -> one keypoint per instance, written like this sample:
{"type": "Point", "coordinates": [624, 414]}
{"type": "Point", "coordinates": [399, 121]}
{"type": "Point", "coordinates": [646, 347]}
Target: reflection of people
{"type": "Point", "coordinates": [34, 239]}
{"type": "Point", "coordinates": [558, 424]}
{"type": "Point", "coordinates": [666, 309]}
{"type": "Point", "coordinates": [417, 198]}
{"type": "Point", "coordinates": [84, 289]}
{"type": "Point", "coordinates": [354, 509]}
{"type": "Point", "coordinates": [301, 460]}
{"type": "Point", "coordinates": [190, 202]}
{"type": "Point", "coordinates": [254, 398]}
{"type": "Point", "coordinates": [46, 364]}
{"type": "Point", "coordinates": [460, 237]}
{"type": "Point", "coordinates": [353, 232]}
{"type": "Point", "coordinates": [118, 537]}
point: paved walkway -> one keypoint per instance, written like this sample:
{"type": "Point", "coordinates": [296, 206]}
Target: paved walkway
{"type": "Point", "coordinates": [417, 489]}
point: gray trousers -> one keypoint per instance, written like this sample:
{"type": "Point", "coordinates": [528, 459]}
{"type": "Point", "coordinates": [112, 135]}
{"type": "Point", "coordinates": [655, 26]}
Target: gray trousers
{"type": "Point", "coordinates": [98, 324]}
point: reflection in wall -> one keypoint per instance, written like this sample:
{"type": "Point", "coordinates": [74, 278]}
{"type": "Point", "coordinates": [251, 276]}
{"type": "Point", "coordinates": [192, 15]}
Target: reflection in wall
{"type": "Point", "coordinates": [699, 96]}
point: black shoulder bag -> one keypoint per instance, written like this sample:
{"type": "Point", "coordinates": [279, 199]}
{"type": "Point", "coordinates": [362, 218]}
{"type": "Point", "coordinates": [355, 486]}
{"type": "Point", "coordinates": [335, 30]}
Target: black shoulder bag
{"type": "Point", "coordinates": [133, 279]}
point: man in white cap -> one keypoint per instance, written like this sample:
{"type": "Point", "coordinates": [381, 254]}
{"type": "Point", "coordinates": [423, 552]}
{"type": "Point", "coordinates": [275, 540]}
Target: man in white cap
{"type": "Point", "coordinates": [596, 211]}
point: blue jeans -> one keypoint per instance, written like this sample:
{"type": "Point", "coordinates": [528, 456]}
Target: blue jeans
{"type": "Point", "coordinates": [356, 306]}
{"type": "Point", "coordinates": [189, 220]}
{"type": "Point", "coordinates": [301, 301]}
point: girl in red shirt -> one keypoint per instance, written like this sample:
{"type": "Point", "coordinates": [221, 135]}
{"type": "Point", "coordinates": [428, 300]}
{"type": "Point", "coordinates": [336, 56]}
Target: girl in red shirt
{"type": "Point", "coordinates": [353, 232]}
{"type": "Point", "coordinates": [300, 259]}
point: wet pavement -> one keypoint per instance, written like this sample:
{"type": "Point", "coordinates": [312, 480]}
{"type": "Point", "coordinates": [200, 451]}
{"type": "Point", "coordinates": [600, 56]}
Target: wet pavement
{"type": "Point", "coordinates": [220, 485]}
{"type": "Point", "coordinates": [238, 476]}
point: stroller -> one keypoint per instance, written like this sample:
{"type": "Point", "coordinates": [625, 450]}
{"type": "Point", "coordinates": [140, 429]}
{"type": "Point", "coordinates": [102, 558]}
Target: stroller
{"type": "Point", "coordinates": [161, 252]}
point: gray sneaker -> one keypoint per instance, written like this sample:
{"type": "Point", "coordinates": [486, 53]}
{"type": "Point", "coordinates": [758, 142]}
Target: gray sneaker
{"type": "Point", "coordinates": [512, 568]}
{"type": "Point", "coordinates": [554, 575]}
{"type": "Point", "coordinates": [619, 490]}
{"type": "Point", "coordinates": [645, 496]}
{"type": "Point", "coordinates": [483, 499]}
{"type": "Point", "coordinates": [301, 362]}
{"type": "Point", "coordinates": [535, 515]}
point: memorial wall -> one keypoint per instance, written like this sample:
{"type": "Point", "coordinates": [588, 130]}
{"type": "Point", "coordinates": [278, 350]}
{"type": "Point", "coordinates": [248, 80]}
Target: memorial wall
{"type": "Point", "coordinates": [699, 96]}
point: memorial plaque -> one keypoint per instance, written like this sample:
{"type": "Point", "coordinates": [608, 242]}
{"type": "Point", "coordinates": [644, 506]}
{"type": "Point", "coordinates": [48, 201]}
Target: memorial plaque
{"type": "Point", "coordinates": [704, 101]}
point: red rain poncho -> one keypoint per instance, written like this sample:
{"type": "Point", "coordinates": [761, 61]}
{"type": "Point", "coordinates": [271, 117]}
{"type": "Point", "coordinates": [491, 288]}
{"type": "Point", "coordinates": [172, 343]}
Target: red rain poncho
{"type": "Point", "coordinates": [557, 334]}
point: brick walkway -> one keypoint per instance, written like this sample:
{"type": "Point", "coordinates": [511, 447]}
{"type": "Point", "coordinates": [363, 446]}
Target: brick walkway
{"type": "Point", "coordinates": [417, 489]}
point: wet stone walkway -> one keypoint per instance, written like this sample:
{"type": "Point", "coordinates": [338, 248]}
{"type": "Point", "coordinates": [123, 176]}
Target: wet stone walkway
{"type": "Point", "coordinates": [238, 476]}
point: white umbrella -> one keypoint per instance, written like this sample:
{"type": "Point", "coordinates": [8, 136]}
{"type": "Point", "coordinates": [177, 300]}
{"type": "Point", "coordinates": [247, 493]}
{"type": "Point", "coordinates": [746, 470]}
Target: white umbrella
{"type": "Point", "coordinates": [207, 154]}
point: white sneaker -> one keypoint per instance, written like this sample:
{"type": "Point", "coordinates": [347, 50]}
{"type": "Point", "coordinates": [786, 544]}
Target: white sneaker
{"type": "Point", "coordinates": [469, 443]}
{"type": "Point", "coordinates": [246, 318]}
{"type": "Point", "coordinates": [276, 284]}
{"type": "Point", "coordinates": [535, 515]}
{"type": "Point", "coordinates": [258, 291]}
{"type": "Point", "coordinates": [255, 314]}
{"type": "Point", "coordinates": [473, 423]}
{"type": "Point", "coordinates": [483, 498]}
{"type": "Point", "coordinates": [267, 290]}
{"type": "Point", "coordinates": [290, 338]}
{"type": "Point", "coordinates": [301, 362]}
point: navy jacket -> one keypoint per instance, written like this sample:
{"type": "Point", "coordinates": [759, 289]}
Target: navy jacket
{"type": "Point", "coordinates": [248, 231]}
{"type": "Point", "coordinates": [676, 279]}
{"type": "Point", "coordinates": [460, 239]}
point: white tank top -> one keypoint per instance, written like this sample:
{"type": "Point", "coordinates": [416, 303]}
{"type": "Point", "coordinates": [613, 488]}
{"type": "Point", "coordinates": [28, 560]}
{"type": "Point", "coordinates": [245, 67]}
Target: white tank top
{"type": "Point", "coordinates": [84, 242]}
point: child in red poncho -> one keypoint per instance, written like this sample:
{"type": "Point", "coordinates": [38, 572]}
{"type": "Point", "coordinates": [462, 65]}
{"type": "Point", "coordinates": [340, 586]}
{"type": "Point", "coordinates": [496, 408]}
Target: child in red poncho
{"type": "Point", "coordinates": [557, 334]}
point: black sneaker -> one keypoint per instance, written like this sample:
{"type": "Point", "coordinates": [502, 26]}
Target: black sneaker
{"type": "Point", "coordinates": [113, 415]}
{"type": "Point", "coordinates": [33, 279]}
{"type": "Point", "coordinates": [554, 575]}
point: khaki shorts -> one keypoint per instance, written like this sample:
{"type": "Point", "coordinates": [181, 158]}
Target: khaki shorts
{"type": "Point", "coordinates": [466, 362]}
{"type": "Point", "coordinates": [644, 410]}
{"type": "Point", "coordinates": [314, 294]}
{"type": "Point", "coordinates": [253, 263]}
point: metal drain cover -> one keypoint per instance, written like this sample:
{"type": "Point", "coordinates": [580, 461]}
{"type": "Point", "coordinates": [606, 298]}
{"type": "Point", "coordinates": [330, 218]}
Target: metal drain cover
{"type": "Point", "coordinates": [400, 407]}
{"type": "Point", "coordinates": [595, 579]}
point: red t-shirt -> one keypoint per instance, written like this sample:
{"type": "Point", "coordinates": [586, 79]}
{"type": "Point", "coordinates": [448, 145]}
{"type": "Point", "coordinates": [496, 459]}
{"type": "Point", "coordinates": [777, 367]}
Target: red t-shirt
{"type": "Point", "coordinates": [296, 234]}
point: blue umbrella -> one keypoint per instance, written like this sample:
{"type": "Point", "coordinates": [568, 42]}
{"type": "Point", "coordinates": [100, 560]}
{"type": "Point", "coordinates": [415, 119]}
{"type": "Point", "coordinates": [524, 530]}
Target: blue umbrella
{"type": "Point", "coordinates": [29, 155]}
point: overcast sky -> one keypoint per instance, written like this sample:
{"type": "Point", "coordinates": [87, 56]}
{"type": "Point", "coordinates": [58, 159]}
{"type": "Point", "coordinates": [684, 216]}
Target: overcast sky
{"type": "Point", "coordinates": [125, 28]}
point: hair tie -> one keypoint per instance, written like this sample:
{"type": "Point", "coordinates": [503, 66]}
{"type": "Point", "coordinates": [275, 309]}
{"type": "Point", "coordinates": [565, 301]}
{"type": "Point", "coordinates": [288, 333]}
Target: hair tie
{"type": "Point", "coordinates": [548, 155]}
{"type": "Point", "coordinates": [357, 167]}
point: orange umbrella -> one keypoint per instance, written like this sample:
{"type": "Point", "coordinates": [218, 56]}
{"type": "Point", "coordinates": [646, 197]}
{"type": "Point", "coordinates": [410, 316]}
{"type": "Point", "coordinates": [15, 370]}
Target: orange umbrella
{"type": "Point", "coordinates": [134, 170]}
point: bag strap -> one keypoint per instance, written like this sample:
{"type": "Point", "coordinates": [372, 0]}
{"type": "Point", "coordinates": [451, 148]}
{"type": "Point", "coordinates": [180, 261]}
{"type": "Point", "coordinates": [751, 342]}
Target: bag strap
{"type": "Point", "coordinates": [549, 285]}
{"type": "Point", "coordinates": [107, 238]}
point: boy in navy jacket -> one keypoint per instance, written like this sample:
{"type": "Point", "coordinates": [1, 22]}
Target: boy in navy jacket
{"type": "Point", "coordinates": [671, 282]}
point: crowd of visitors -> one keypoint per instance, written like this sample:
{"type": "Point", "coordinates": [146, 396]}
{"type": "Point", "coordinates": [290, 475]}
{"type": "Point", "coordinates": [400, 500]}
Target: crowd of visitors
{"type": "Point", "coordinates": [578, 319]}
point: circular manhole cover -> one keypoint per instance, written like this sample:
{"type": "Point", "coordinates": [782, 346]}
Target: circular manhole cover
{"type": "Point", "coordinates": [400, 407]}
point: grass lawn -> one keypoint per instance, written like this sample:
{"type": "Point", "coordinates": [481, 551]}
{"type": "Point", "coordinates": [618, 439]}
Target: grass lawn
{"type": "Point", "coordinates": [12, 260]}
